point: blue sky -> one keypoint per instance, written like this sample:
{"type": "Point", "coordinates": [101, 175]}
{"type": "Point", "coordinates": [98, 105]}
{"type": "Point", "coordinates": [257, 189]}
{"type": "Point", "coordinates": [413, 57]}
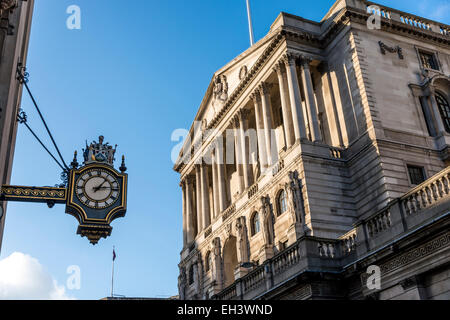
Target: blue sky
{"type": "Point", "coordinates": [135, 72]}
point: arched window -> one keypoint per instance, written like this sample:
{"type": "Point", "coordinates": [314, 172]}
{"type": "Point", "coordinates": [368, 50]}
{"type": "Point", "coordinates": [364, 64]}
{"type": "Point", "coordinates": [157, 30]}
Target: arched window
{"type": "Point", "coordinates": [281, 202]}
{"type": "Point", "coordinates": [444, 109]}
{"type": "Point", "coordinates": [255, 223]}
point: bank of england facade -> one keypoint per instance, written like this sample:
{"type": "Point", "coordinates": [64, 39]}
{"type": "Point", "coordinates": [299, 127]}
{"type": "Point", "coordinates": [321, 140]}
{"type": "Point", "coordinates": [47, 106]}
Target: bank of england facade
{"type": "Point", "coordinates": [319, 159]}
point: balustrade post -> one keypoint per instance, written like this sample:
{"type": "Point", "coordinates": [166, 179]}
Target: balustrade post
{"type": "Point", "coordinates": [268, 275]}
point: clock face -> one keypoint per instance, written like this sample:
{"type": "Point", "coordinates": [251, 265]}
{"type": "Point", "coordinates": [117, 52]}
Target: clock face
{"type": "Point", "coordinates": [97, 188]}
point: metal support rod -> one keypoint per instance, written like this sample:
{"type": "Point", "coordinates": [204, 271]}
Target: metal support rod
{"type": "Point", "coordinates": [22, 119]}
{"type": "Point", "coordinates": [22, 77]}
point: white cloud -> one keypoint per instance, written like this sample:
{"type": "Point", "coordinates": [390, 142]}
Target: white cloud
{"type": "Point", "coordinates": [23, 277]}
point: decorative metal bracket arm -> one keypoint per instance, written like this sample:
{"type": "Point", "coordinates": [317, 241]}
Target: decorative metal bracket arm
{"type": "Point", "coordinates": [384, 48]}
{"type": "Point", "coordinates": [48, 195]}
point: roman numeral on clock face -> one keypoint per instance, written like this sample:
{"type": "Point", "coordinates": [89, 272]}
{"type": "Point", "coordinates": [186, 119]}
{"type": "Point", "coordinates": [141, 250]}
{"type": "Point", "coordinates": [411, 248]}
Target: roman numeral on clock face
{"type": "Point", "coordinates": [97, 189]}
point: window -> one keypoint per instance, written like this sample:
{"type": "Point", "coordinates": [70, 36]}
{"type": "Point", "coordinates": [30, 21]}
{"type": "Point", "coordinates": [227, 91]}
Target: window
{"type": "Point", "coordinates": [444, 110]}
{"type": "Point", "coordinates": [416, 174]}
{"type": "Point", "coordinates": [208, 261]}
{"type": "Point", "coordinates": [255, 223]}
{"type": "Point", "coordinates": [281, 201]}
{"type": "Point", "coordinates": [191, 275]}
{"type": "Point", "coordinates": [428, 60]}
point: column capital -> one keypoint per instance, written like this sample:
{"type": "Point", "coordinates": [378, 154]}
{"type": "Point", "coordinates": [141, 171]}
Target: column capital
{"type": "Point", "coordinates": [242, 114]}
{"type": "Point", "coordinates": [255, 96]}
{"type": "Point", "coordinates": [305, 60]}
{"type": "Point", "coordinates": [235, 121]}
{"type": "Point", "coordinates": [265, 88]}
{"type": "Point", "coordinates": [289, 58]}
{"type": "Point", "coordinates": [279, 67]}
{"type": "Point", "coordinates": [190, 179]}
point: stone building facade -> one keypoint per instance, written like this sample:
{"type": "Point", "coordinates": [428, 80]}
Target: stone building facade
{"type": "Point", "coordinates": [317, 153]}
{"type": "Point", "coordinates": [15, 25]}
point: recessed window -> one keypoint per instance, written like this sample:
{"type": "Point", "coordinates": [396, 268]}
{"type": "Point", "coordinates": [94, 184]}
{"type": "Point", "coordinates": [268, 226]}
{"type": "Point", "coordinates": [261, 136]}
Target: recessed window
{"type": "Point", "coordinates": [444, 110]}
{"type": "Point", "coordinates": [416, 174]}
{"type": "Point", "coordinates": [255, 223]}
{"type": "Point", "coordinates": [281, 201]}
{"type": "Point", "coordinates": [191, 275]}
{"type": "Point", "coordinates": [208, 261]}
{"type": "Point", "coordinates": [428, 60]}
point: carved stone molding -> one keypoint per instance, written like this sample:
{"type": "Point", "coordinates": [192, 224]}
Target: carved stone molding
{"type": "Point", "coordinates": [305, 61]}
{"type": "Point", "coordinates": [279, 67]}
{"type": "Point", "coordinates": [243, 72]}
{"type": "Point", "coordinates": [6, 5]}
{"type": "Point", "coordinates": [384, 48]}
{"type": "Point", "coordinates": [220, 88]}
{"type": "Point", "coordinates": [243, 114]}
{"type": "Point", "coordinates": [255, 96]}
{"type": "Point", "coordinates": [289, 58]}
{"type": "Point", "coordinates": [265, 88]}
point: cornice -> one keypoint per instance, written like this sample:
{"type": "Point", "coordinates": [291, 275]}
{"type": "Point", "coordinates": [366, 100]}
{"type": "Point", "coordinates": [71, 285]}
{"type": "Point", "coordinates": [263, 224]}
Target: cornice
{"type": "Point", "coordinates": [390, 25]}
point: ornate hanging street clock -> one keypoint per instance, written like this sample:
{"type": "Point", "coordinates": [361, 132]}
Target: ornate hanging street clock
{"type": "Point", "coordinates": [96, 193]}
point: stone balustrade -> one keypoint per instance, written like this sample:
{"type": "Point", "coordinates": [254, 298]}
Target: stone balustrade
{"type": "Point", "coordinates": [379, 223]}
{"type": "Point", "coordinates": [428, 193]}
{"type": "Point", "coordinates": [336, 153]}
{"type": "Point", "coordinates": [348, 242]}
{"type": "Point", "coordinates": [254, 279]}
{"type": "Point", "coordinates": [382, 12]}
{"type": "Point", "coordinates": [444, 30]}
{"type": "Point", "coordinates": [326, 249]}
{"type": "Point", "coordinates": [285, 259]}
{"type": "Point", "coordinates": [228, 294]}
{"type": "Point", "coordinates": [402, 17]}
{"type": "Point", "coordinates": [228, 212]}
{"type": "Point", "coordinates": [415, 22]}
{"type": "Point", "coordinates": [275, 269]}
{"type": "Point", "coordinates": [252, 191]}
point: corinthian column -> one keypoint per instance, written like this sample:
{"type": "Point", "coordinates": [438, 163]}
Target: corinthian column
{"type": "Point", "coordinates": [256, 97]}
{"type": "Point", "coordinates": [205, 195]}
{"type": "Point", "coordinates": [215, 183]}
{"type": "Point", "coordinates": [295, 97]}
{"type": "Point", "coordinates": [183, 189]}
{"type": "Point", "coordinates": [285, 108]}
{"type": "Point", "coordinates": [238, 155]}
{"type": "Point", "coordinates": [271, 150]}
{"type": "Point", "coordinates": [310, 100]}
{"type": "Point", "coordinates": [242, 114]}
{"type": "Point", "coordinates": [189, 210]}
{"type": "Point", "coordinates": [198, 194]}
{"type": "Point", "coordinates": [221, 177]}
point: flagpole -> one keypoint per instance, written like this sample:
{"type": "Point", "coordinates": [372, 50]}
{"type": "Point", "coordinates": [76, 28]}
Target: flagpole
{"type": "Point", "coordinates": [112, 276]}
{"type": "Point", "coordinates": [250, 26]}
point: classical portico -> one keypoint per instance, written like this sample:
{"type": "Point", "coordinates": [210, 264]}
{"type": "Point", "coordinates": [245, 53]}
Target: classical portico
{"type": "Point", "coordinates": [197, 186]}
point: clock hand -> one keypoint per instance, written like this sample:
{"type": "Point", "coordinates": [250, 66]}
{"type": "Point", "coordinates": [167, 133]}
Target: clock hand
{"type": "Point", "coordinates": [98, 188]}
